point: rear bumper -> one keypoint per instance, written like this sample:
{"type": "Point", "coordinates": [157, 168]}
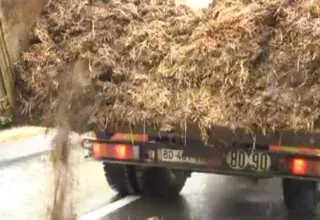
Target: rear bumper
{"type": "Point", "coordinates": [228, 172]}
{"type": "Point", "coordinates": [144, 150]}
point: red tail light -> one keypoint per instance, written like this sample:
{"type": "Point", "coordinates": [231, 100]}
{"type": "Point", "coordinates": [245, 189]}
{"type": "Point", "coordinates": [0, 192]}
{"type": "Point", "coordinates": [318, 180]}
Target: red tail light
{"type": "Point", "coordinates": [299, 166]}
{"type": "Point", "coordinates": [111, 151]}
{"type": "Point", "coordinates": [122, 151]}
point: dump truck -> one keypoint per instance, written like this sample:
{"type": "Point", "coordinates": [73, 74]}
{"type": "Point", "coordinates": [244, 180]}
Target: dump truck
{"type": "Point", "coordinates": [141, 160]}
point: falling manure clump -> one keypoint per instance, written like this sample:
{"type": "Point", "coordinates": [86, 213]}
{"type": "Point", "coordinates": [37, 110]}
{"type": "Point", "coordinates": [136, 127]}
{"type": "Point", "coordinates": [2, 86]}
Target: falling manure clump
{"type": "Point", "coordinates": [238, 63]}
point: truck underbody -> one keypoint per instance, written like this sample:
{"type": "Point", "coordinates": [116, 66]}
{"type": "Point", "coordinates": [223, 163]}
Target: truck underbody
{"type": "Point", "coordinates": [158, 164]}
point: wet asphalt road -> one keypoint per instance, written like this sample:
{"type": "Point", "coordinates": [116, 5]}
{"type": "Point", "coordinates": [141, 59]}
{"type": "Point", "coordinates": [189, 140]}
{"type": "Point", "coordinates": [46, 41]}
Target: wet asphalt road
{"type": "Point", "coordinates": [25, 188]}
{"type": "Point", "coordinates": [25, 182]}
{"type": "Point", "coordinates": [213, 197]}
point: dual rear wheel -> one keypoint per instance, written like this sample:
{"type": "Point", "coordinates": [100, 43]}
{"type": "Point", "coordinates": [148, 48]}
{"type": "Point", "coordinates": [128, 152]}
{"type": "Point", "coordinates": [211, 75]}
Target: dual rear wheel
{"type": "Point", "coordinates": [148, 181]}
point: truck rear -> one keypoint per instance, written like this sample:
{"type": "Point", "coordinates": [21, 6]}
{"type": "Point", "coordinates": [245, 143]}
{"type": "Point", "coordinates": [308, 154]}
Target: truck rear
{"type": "Point", "coordinates": [153, 164]}
{"type": "Point", "coordinates": [144, 161]}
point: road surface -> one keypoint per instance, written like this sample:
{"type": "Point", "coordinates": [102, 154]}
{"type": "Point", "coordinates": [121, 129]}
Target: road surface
{"type": "Point", "coordinates": [25, 180]}
{"type": "Point", "coordinates": [212, 197]}
{"type": "Point", "coordinates": [24, 188]}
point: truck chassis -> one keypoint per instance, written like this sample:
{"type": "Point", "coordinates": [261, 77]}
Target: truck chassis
{"type": "Point", "coordinates": [154, 164]}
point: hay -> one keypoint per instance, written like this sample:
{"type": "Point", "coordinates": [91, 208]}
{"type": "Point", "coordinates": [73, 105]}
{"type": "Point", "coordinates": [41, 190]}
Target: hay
{"type": "Point", "coordinates": [242, 64]}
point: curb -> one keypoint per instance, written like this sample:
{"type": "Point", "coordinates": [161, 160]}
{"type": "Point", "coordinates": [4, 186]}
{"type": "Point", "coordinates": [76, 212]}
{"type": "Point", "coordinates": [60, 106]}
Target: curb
{"type": "Point", "coordinates": [25, 142]}
{"type": "Point", "coordinates": [18, 133]}
{"type": "Point", "coordinates": [23, 148]}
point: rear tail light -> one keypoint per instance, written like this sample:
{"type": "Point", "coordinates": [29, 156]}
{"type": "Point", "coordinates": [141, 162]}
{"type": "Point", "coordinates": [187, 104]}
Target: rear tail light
{"type": "Point", "coordinates": [122, 151]}
{"type": "Point", "coordinates": [299, 166]}
{"type": "Point", "coordinates": [115, 151]}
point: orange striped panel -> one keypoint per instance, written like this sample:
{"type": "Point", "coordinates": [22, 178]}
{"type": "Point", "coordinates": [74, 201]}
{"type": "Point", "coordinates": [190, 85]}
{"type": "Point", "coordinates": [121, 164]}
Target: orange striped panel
{"type": "Point", "coordinates": [301, 150]}
{"type": "Point", "coordinates": [130, 137]}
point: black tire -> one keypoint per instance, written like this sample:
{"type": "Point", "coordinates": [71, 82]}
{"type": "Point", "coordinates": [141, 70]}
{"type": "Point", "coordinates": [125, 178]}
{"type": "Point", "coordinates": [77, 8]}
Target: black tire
{"type": "Point", "coordinates": [300, 197]}
{"type": "Point", "coordinates": [121, 178]}
{"type": "Point", "coordinates": [160, 182]}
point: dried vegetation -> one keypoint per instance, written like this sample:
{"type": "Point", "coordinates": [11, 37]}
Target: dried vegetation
{"type": "Point", "coordinates": [239, 63]}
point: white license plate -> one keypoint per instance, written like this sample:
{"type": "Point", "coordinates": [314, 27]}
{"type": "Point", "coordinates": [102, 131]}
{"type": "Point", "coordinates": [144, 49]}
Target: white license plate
{"type": "Point", "coordinates": [175, 156]}
{"type": "Point", "coordinates": [255, 161]}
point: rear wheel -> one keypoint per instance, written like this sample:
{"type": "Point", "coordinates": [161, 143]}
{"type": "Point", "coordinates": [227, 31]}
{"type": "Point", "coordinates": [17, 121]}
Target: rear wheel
{"type": "Point", "coordinates": [161, 182]}
{"type": "Point", "coordinates": [150, 182]}
{"type": "Point", "coordinates": [300, 196]}
{"type": "Point", "coordinates": [121, 178]}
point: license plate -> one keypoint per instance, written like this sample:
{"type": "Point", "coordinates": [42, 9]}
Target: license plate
{"type": "Point", "coordinates": [254, 161]}
{"type": "Point", "coordinates": [175, 156]}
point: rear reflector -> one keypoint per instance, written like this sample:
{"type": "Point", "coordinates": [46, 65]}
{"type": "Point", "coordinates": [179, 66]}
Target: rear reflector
{"type": "Point", "coordinates": [114, 151]}
{"type": "Point", "coordinates": [80, 140]}
{"type": "Point", "coordinates": [299, 166]}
